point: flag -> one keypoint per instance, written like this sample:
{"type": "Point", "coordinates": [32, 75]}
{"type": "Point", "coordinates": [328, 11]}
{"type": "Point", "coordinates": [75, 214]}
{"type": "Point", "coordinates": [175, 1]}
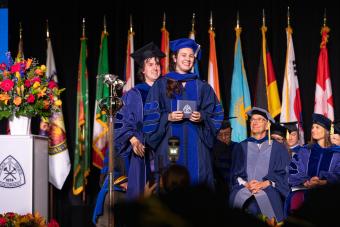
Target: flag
{"type": "Point", "coordinates": [291, 109]}
{"type": "Point", "coordinates": [165, 49]}
{"type": "Point", "coordinates": [100, 125]}
{"type": "Point", "coordinates": [81, 151]}
{"type": "Point", "coordinates": [266, 81]}
{"type": "Point", "coordinates": [212, 68]}
{"type": "Point", "coordinates": [129, 63]}
{"type": "Point", "coordinates": [323, 90]}
{"type": "Point", "coordinates": [240, 96]}
{"type": "Point", "coordinates": [54, 128]}
{"type": "Point", "coordinates": [196, 68]}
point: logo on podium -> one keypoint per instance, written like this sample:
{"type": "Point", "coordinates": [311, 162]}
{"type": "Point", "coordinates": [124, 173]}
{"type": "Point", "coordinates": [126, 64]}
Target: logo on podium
{"type": "Point", "coordinates": [11, 173]}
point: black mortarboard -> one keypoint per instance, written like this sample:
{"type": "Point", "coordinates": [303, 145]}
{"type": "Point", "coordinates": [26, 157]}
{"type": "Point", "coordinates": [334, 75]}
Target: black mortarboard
{"type": "Point", "coordinates": [278, 129]}
{"type": "Point", "coordinates": [291, 126]}
{"type": "Point", "coordinates": [226, 123]}
{"type": "Point", "coordinates": [264, 113]}
{"type": "Point", "coordinates": [177, 44]}
{"type": "Point", "coordinates": [322, 121]}
{"type": "Point", "coordinates": [148, 51]}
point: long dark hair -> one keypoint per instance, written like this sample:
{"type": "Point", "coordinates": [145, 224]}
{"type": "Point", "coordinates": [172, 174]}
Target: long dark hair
{"type": "Point", "coordinates": [173, 86]}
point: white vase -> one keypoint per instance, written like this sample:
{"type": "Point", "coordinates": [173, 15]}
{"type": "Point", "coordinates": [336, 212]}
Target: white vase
{"type": "Point", "coordinates": [20, 125]}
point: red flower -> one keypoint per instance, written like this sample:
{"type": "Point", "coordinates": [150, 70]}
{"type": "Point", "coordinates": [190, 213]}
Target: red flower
{"type": "Point", "coordinates": [35, 79]}
{"type": "Point", "coordinates": [31, 98]}
{"type": "Point", "coordinates": [52, 84]}
{"type": "Point", "coordinates": [16, 67]}
{"type": "Point", "coordinates": [3, 221]}
{"type": "Point", "coordinates": [2, 66]}
{"type": "Point", "coordinates": [53, 223]}
{"type": "Point", "coordinates": [10, 215]}
{"type": "Point", "coordinates": [27, 83]}
{"type": "Point", "coordinates": [6, 85]}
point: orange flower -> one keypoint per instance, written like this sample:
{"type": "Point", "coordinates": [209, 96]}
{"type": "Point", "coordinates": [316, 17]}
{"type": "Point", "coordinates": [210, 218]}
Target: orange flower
{"type": "Point", "coordinates": [42, 92]}
{"type": "Point", "coordinates": [39, 72]}
{"type": "Point", "coordinates": [28, 63]}
{"type": "Point", "coordinates": [5, 97]}
{"type": "Point", "coordinates": [17, 100]}
{"type": "Point", "coordinates": [46, 104]}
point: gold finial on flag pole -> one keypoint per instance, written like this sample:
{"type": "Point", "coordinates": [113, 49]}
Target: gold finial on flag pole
{"type": "Point", "coordinates": [193, 23]}
{"type": "Point", "coordinates": [83, 27]}
{"type": "Point", "coordinates": [164, 19]}
{"type": "Point", "coordinates": [237, 20]}
{"type": "Point", "coordinates": [325, 18]}
{"type": "Point", "coordinates": [288, 17]}
{"type": "Point", "coordinates": [47, 30]}
{"type": "Point", "coordinates": [20, 30]}
{"type": "Point", "coordinates": [263, 18]}
{"type": "Point", "coordinates": [105, 26]}
{"type": "Point", "coordinates": [211, 21]}
{"type": "Point", "coordinates": [131, 25]}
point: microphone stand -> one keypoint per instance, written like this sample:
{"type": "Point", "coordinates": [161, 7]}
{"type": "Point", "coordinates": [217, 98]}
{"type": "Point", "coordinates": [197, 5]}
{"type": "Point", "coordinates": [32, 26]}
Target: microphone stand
{"type": "Point", "coordinates": [111, 105]}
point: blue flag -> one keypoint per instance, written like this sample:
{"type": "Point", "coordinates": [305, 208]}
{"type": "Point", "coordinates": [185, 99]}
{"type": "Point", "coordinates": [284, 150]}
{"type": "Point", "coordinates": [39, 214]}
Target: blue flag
{"type": "Point", "coordinates": [240, 97]}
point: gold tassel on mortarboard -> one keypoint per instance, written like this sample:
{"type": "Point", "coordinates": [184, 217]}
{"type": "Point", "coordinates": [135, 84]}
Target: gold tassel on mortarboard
{"type": "Point", "coordinates": [331, 132]}
{"type": "Point", "coordinates": [287, 134]}
{"type": "Point", "coordinates": [269, 139]}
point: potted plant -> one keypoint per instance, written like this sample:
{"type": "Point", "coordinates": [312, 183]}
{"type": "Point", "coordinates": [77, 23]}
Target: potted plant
{"type": "Point", "coordinates": [25, 91]}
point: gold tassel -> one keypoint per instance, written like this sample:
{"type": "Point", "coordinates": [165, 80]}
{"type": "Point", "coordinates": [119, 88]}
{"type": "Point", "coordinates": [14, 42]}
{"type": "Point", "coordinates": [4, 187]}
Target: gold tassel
{"type": "Point", "coordinates": [332, 129]}
{"type": "Point", "coordinates": [287, 134]}
{"type": "Point", "coordinates": [269, 139]}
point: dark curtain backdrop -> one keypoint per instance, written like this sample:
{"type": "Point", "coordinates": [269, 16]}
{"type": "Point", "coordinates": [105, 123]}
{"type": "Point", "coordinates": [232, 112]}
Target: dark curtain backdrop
{"type": "Point", "coordinates": [65, 18]}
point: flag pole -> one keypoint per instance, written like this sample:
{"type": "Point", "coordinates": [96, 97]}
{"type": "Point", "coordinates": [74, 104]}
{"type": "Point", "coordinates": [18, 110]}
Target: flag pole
{"type": "Point", "coordinates": [50, 186]}
{"type": "Point", "coordinates": [84, 190]}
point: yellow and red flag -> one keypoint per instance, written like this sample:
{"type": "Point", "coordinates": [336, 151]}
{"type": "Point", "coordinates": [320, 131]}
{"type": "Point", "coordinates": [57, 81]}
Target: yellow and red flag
{"type": "Point", "coordinates": [266, 81]}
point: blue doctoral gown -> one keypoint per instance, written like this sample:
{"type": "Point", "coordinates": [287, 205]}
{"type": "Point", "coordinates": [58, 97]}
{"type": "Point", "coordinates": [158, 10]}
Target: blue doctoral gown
{"type": "Point", "coordinates": [311, 160]}
{"type": "Point", "coordinates": [196, 139]}
{"type": "Point", "coordinates": [267, 162]}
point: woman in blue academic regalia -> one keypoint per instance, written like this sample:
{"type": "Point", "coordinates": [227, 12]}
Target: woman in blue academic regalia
{"type": "Point", "coordinates": [181, 105]}
{"type": "Point", "coordinates": [316, 164]}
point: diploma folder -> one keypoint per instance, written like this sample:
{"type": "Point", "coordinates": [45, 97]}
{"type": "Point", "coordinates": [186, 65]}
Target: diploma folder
{"type": "Point", "coordinates": [187, 106]}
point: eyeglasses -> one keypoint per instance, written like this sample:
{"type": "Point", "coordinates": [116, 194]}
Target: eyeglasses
{"type": "Point", "coordinates": [261, 120]}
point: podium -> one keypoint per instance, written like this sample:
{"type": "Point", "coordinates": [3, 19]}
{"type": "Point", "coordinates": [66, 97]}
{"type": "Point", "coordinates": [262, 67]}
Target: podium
{"type": "Point", "coordinates": [24, 174]}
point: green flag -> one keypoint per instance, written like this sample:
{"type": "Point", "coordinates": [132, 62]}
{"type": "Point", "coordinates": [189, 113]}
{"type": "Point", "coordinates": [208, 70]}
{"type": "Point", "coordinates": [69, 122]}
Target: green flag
{"type": "Point", "coordinates": [82, 144]}
{"type": "Point", "coordinates": [100, 125]}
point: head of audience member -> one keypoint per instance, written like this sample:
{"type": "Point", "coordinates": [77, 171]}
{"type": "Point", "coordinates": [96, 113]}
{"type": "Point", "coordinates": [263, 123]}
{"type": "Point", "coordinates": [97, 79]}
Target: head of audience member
{"type": "Point", "coordinates": [224, 134]}
{"type": "Point", "coordinates": [174, 177]}
{"type": "Point", "coordinates": [292, 133]}
{"type": "Point", "coordinates": [260, 121]}
{"type": "Point", "coordinates": [335, 137]}
{"type": "Point", "coordinates": [320, 130]}
{"type": "Point", "coordinates": [278, 132]}
{"type": "Point", "coordinates": [148, 59]}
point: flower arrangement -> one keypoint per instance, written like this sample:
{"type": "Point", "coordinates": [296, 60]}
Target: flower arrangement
{"type": "Point", "coordinates": [13, 220]}
{"type": "Point", "coordinates": [26, 91]}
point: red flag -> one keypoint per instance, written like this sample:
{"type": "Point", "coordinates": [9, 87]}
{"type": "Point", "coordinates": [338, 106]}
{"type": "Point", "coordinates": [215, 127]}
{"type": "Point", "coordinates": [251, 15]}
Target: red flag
{"type": "Point", "coordinates": [291, 110]}
{"type": "Point", "coordinates": [323, 90]}
{"type": "Point", "coordinates": [165, 49]}
{"type": "Point", "coordinates": [269, 100]}
{"type": "Point", "coordinates": [212, 68]}
{"type": "Point", "coordinates": [129, 63]}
